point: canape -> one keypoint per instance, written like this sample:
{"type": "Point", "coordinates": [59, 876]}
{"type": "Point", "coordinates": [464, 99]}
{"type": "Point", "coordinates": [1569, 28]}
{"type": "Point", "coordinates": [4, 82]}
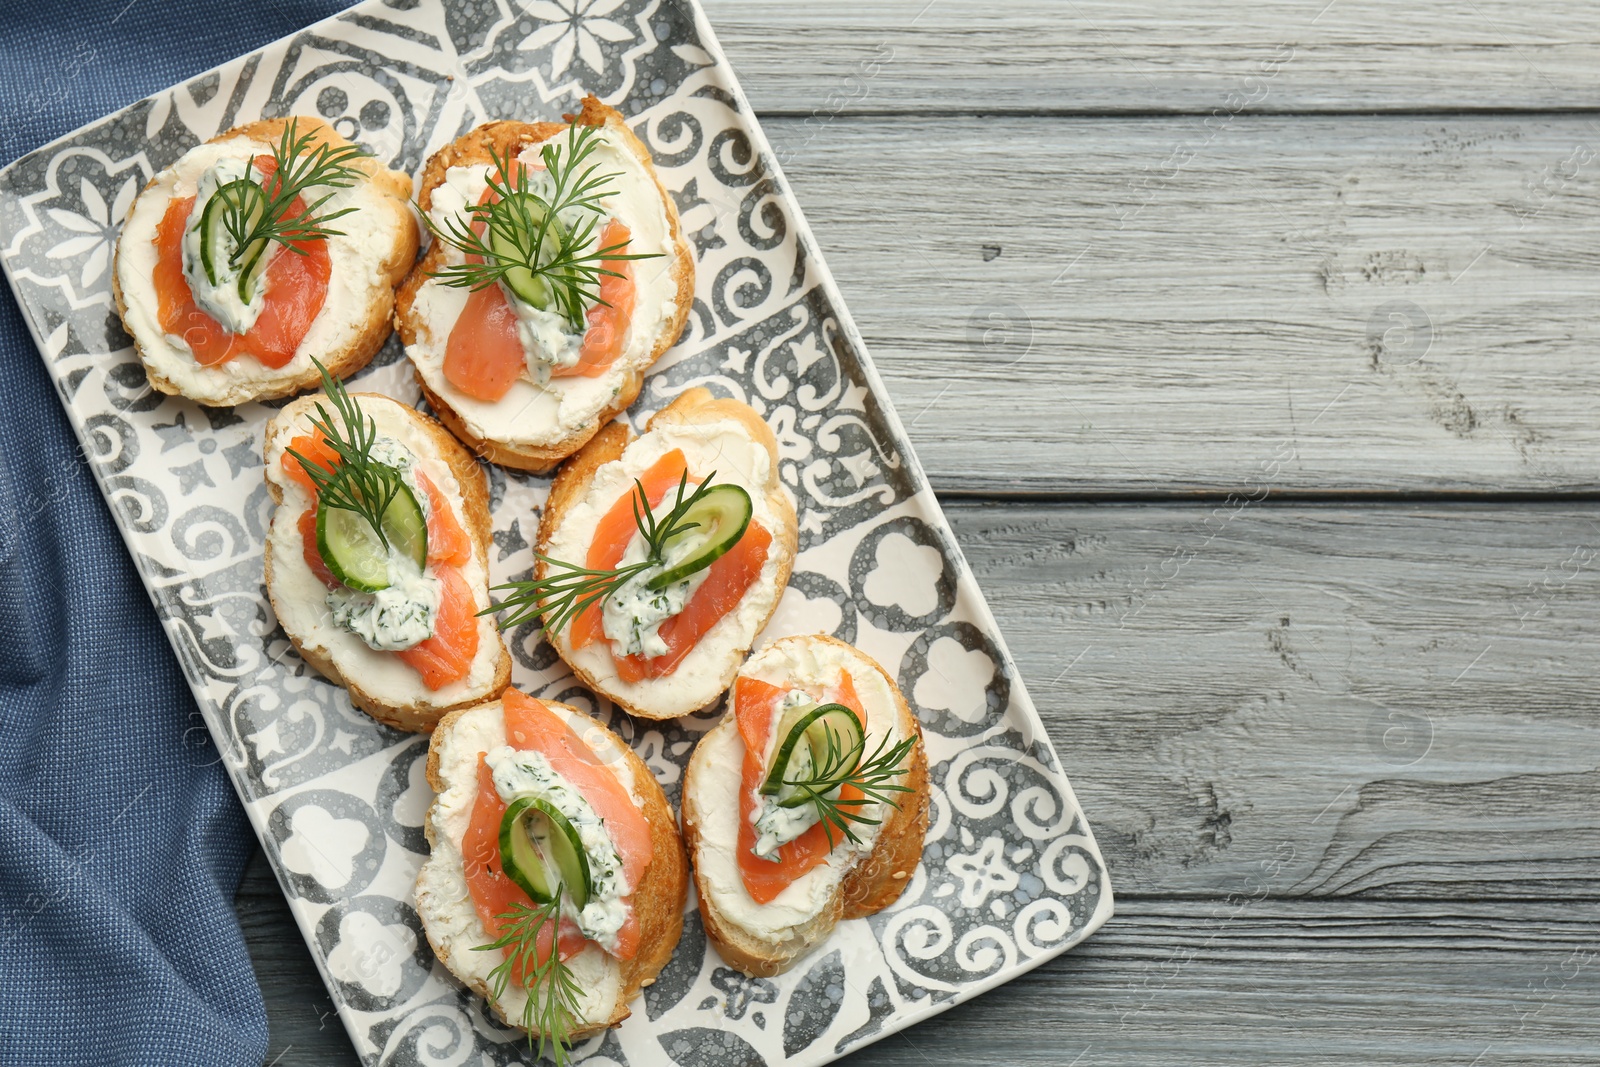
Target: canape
{"type": "Point", "coordinates": [661, 558]}
{"type": "Point", "coordinates": [271, 244]}
{"type": "Point", "coordinates": [806, 804]}
{"type": "Point", "coordinates": [377, 558]}
{"type": "Point", "coordinates": [557, 275]}
{"type": "Point", "coordinates": [548, 831]}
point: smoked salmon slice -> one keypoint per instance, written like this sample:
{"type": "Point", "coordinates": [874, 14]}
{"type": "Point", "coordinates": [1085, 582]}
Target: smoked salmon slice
{"type": "Point", "coordinates": [530, 725]}
{"type": "Point", "coordinates": [608, 319]}
{"type": "Point", "coordinates": [315, 447]}
{"type": "Point", "coordinates": [447, 656]}
{"type": "Point", "coordinates": [296, 288]}
{"type": "Point", "coordinates": [616, 531]}
{"type": "Point", "coordinates": [313, 555]}
{"type": "Point", "coordinates": [484, 356]}
{"type": "Point", "coordinates": [727, 581]}
{"type": "Point", "coordinates": [494, 894]}
{"type": "Point", "coordinates": [755, 710]}
{"type": "Point", "coordinates": [447, 540]}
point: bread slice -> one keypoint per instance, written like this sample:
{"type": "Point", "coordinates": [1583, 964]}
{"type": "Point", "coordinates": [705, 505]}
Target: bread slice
{"type": "Point", "coordinates": [445, 906]}
{"type": "Point", "coordinates": [717, 436]}
{"type": "Point", "coordinates": [748, 935]}
{"type": "Point", "coordinates": [378, 683]}
{"type": "Point", "coordinates": [540, 443]}
{"type": "Point", "coordinates": [378, 245]}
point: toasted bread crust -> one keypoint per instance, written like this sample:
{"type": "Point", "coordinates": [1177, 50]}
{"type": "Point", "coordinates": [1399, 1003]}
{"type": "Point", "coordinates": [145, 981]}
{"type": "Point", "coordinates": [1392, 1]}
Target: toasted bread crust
{"type": "Point", "coordinates": [658, 900]}
{"type": "Point", "coordinates": [572, 484]}
{"type": "Point", "coordinates": [872, 885]}
{"type": "Point", "coordinates": [341, 363]}
{"type": "Point", "coordinates": [482, 145]}
{"type": "Point", "coordinates": [475, 514]}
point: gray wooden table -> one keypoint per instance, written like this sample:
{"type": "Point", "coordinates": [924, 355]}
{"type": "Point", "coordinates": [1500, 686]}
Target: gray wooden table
{"type": "Point", "coordinates": [1252, 347]}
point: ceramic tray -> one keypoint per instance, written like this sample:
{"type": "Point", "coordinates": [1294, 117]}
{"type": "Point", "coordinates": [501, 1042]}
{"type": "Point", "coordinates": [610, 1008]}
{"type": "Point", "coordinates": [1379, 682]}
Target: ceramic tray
{"type": "Point", "coordinates": [1010, 875]}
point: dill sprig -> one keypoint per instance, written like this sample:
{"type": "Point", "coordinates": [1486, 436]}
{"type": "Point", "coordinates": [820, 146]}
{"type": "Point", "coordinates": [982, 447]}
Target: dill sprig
{"type": "Point", "coordinates": [568, 589]}
{"type": "Point", "coordinates": [553, 993]}
{"type": "Point", "coordinates": [841, 766]}
{"type": "Point", "coordinates": [357, 482]}
{"type": "Point", "coordinates": [252, 221]}
{"type": "Point", "coordinates": [523, 230]}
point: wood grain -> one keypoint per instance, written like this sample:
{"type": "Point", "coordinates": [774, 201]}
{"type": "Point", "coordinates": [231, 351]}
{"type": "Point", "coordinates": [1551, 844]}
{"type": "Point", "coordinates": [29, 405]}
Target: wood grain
{"type": "Point", "coordinates": [1182, 983]}
{"type": "Point", "coordinates": [1307, 304]}
{"type": "Point", "coordinates": [1099, 56]}
{"type": "Point", "coordinates": [1185, 983]}
{"type": "Point", "coordinates": [1318, 701]}
{"type": "Point", "coordinates": [303, 1027]}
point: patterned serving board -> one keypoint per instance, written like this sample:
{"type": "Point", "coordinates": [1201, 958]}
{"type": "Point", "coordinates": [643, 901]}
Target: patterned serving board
{"type": "Point", "coordinates": [1010, 875]}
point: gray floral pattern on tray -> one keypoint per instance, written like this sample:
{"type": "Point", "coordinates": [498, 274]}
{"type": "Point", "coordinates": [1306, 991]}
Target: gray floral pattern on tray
{"type": "Point", "coordinates": [1010, 875]}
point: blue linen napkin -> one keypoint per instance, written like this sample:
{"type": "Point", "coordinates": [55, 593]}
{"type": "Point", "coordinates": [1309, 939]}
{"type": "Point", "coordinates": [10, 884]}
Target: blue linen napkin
{"type": "Point", "coordinates": [121, 840]}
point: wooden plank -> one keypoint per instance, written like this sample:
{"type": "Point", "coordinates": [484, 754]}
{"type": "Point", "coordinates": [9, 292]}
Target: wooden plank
{"type": "Point", "coordinates": [1385, 702]}
{"type": "Point", "coordinates": [1226, 983]}
{"type": "Point", "coordinates": [1186, 984]}
{"type": "Point", "coordinates": [303, 1029]}
{"type": "Point", "coordinates": [1352, 303]}
{"type": "Point", "coordinates": [834, 57]}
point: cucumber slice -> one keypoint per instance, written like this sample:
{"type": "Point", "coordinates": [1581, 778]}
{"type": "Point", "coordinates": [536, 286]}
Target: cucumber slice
{"type": "Point", "coordinates": [217, 252]}
{"type": "Point", "coordinates": [720, 518]}
{"type": "Point", "coordinates": [846, 729]}
{"type": "Point", "coordinates": [542, 852]}
{"type": "Point", "coordinates": [791, 759]}
{"type": "Point", "coordinates": [805, 730]}
{"type": "Point", "coordinates": [355, 554]}
{"type": "Point", "coordinates": [566, 851]}
{"type": "Point", "coordinates": [519, 855]}
{"type": "Point", "coordinates": [251, 274]}
{"type": "Point", "coordinates": [525, 213]}
{"type": "Point", "coordinates": [406, 527]}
